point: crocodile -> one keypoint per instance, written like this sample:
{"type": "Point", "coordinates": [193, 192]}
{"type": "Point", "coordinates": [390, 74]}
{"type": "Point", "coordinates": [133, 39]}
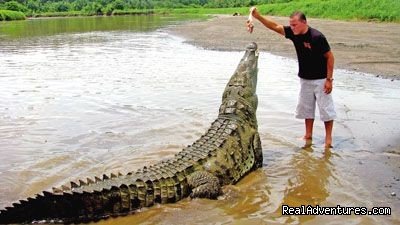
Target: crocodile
{"type": "Point", "coordinates": [230, 149]}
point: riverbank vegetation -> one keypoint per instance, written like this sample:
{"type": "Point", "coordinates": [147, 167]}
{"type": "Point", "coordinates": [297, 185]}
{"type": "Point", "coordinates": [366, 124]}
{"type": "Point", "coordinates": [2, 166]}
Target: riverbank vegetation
{"type": "Point", "coordinates": [375, 10]}
{"type": "Point", "coordinates": [6, 15]}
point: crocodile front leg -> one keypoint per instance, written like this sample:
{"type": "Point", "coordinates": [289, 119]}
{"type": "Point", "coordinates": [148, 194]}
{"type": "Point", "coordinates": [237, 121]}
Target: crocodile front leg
{"type": "Point", "coordinates": [204, 185]}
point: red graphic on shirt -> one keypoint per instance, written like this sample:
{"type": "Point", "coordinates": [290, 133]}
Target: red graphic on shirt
{"type": "Point", "coordinates": [307, 45]}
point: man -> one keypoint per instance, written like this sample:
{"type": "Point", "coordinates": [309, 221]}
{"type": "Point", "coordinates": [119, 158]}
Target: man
{"type": "Point", "coordinates": [315, 70]}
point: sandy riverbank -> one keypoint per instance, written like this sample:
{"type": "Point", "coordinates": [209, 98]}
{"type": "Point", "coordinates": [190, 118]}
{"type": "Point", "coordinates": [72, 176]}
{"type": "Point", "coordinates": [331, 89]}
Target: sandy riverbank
{"type": "Point", "coordinates": [359, 46]}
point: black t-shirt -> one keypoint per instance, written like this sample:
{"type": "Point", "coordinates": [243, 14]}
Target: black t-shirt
{"type": "Point", "coordinates": [310, 49]}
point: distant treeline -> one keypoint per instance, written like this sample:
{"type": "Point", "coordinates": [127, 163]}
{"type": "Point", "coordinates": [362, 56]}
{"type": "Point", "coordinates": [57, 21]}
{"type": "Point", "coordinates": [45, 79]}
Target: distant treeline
{"type": "Point", "coordinates": [375, 10]}
{"type": "Point", "coordinates": [32, 7]}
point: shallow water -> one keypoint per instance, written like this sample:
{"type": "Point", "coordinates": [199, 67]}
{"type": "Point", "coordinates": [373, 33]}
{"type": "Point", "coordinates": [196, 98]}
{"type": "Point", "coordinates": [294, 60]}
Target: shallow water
{"type": "Point", "coordinates": [91, 101]}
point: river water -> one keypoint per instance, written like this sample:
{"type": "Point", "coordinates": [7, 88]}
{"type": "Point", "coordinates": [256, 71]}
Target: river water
{"type": "Point", "coordinates": [86, 96]}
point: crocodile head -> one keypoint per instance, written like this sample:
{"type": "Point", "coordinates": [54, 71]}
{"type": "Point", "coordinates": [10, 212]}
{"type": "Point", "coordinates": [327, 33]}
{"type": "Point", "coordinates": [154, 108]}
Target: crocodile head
{"type": "Point", "coordinates": [239, 98]}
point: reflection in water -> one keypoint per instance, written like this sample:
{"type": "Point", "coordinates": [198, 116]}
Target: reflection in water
{"type": "Point", "coordinates": [309, 186]}
{"type": "Point", "coordinates": [44, 27]}
{"type": "Point", "coordinates": [110, 96]}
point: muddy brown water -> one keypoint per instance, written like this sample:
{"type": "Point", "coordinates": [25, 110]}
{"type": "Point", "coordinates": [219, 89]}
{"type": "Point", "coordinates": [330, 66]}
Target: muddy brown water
{"type": "Point", "coordinates": [96, 100]}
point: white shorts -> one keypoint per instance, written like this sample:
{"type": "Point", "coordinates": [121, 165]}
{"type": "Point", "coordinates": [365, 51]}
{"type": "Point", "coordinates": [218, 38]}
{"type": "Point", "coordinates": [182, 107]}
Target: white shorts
{"type": "Point", "coordinates": [311, 92]}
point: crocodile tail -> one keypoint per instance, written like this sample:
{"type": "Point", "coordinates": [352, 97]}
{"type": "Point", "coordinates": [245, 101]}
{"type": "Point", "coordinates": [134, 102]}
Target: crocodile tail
{"type": "Point", "coordinates": [85, 203]}
{"type": "Point", "coordinates": [73, 207]}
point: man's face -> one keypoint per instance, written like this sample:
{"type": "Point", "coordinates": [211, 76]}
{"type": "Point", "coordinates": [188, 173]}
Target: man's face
{"type": "Point", "coordinates": [297, 25]}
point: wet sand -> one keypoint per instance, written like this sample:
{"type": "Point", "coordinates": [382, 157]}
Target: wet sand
{"type": "Point", "coordinates": [367, 47]}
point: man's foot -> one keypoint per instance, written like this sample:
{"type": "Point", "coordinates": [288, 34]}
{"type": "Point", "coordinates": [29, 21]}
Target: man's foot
{"type": "Point", "coordinates": [308, 143]}
{"type": "Point", "coordinates": [328, 142]}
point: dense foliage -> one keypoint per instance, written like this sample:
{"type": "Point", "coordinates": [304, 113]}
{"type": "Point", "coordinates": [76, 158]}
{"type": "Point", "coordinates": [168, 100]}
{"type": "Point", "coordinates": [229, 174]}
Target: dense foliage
{"type": "Point", "coordinates": [380, 10]}
{"type": "Point", "coordinates": [107, 6]}
{"type": "Point", "coordinates": [11, 15]}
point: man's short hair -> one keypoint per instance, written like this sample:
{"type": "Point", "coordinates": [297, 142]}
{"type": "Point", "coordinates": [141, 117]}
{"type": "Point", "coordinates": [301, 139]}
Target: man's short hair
{"type": "Point", "coordinates": [300, 14]}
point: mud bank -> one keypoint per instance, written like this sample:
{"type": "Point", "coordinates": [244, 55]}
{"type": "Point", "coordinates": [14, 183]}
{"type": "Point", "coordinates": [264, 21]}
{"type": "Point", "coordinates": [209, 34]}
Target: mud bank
{"type": "Point", "coordinates": [359, 46]}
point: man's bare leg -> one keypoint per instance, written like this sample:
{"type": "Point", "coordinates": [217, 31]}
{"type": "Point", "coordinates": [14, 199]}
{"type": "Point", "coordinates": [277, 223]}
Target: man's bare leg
{"type": "Point", "coordinates": [309, 129]}
{"type": "Point", "coordinates": [328, 133]}
{"type": "Point", "coordinates": [308, 136]}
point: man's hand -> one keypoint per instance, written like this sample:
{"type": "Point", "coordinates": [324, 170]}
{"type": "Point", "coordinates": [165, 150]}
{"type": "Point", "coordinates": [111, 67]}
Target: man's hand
{"type": "Point", "coordinates": [328, 86]}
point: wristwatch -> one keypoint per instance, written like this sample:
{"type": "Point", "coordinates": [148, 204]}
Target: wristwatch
{"type": "Point", "coordinates": [329, 78]}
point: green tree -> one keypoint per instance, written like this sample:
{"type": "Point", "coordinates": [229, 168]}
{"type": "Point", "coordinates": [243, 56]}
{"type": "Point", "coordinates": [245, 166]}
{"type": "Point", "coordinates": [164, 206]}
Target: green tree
{"type": "Point", "coordinates": [94, 8]}
{"type": "Point", "coordinates": [108, 10]}
{"type": "Point", "coordinates": [118, 4]}
{"type": "Point", "coordinates": [33, 6]}
{"type": "Point", "coordinates": [78, 5]}
{"type": "Point", "coordinates": [62, 6]}
{"type": "Point", "coordinates": [15, 6]}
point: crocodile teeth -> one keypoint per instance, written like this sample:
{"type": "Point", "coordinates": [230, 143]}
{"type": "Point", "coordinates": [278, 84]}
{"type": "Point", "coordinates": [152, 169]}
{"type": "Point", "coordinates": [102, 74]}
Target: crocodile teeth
{"type": "Point", "coordinates": [65, 188]}
{"type": "Point", "coordinates": [97, 179]}
{"type": "Point", "coordinates": [57, 190]}
{"type": "Point", "coordinates": [82, 183]}
{"type": "Point", "coordinates": [90, 181]}
{"type": "Point", "coordinates": [46, 193]}
{"type": "Point", "coordinates": [74, 185]}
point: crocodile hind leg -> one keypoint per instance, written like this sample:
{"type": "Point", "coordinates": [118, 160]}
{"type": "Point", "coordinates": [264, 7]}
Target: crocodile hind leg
{"type": "Point", "coordinates": [204, 185]}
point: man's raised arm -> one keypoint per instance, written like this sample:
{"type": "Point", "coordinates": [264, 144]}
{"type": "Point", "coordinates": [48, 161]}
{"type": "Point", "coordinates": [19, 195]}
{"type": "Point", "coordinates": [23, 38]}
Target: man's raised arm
{"type": "Point", "coordinates": [270, 24]}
